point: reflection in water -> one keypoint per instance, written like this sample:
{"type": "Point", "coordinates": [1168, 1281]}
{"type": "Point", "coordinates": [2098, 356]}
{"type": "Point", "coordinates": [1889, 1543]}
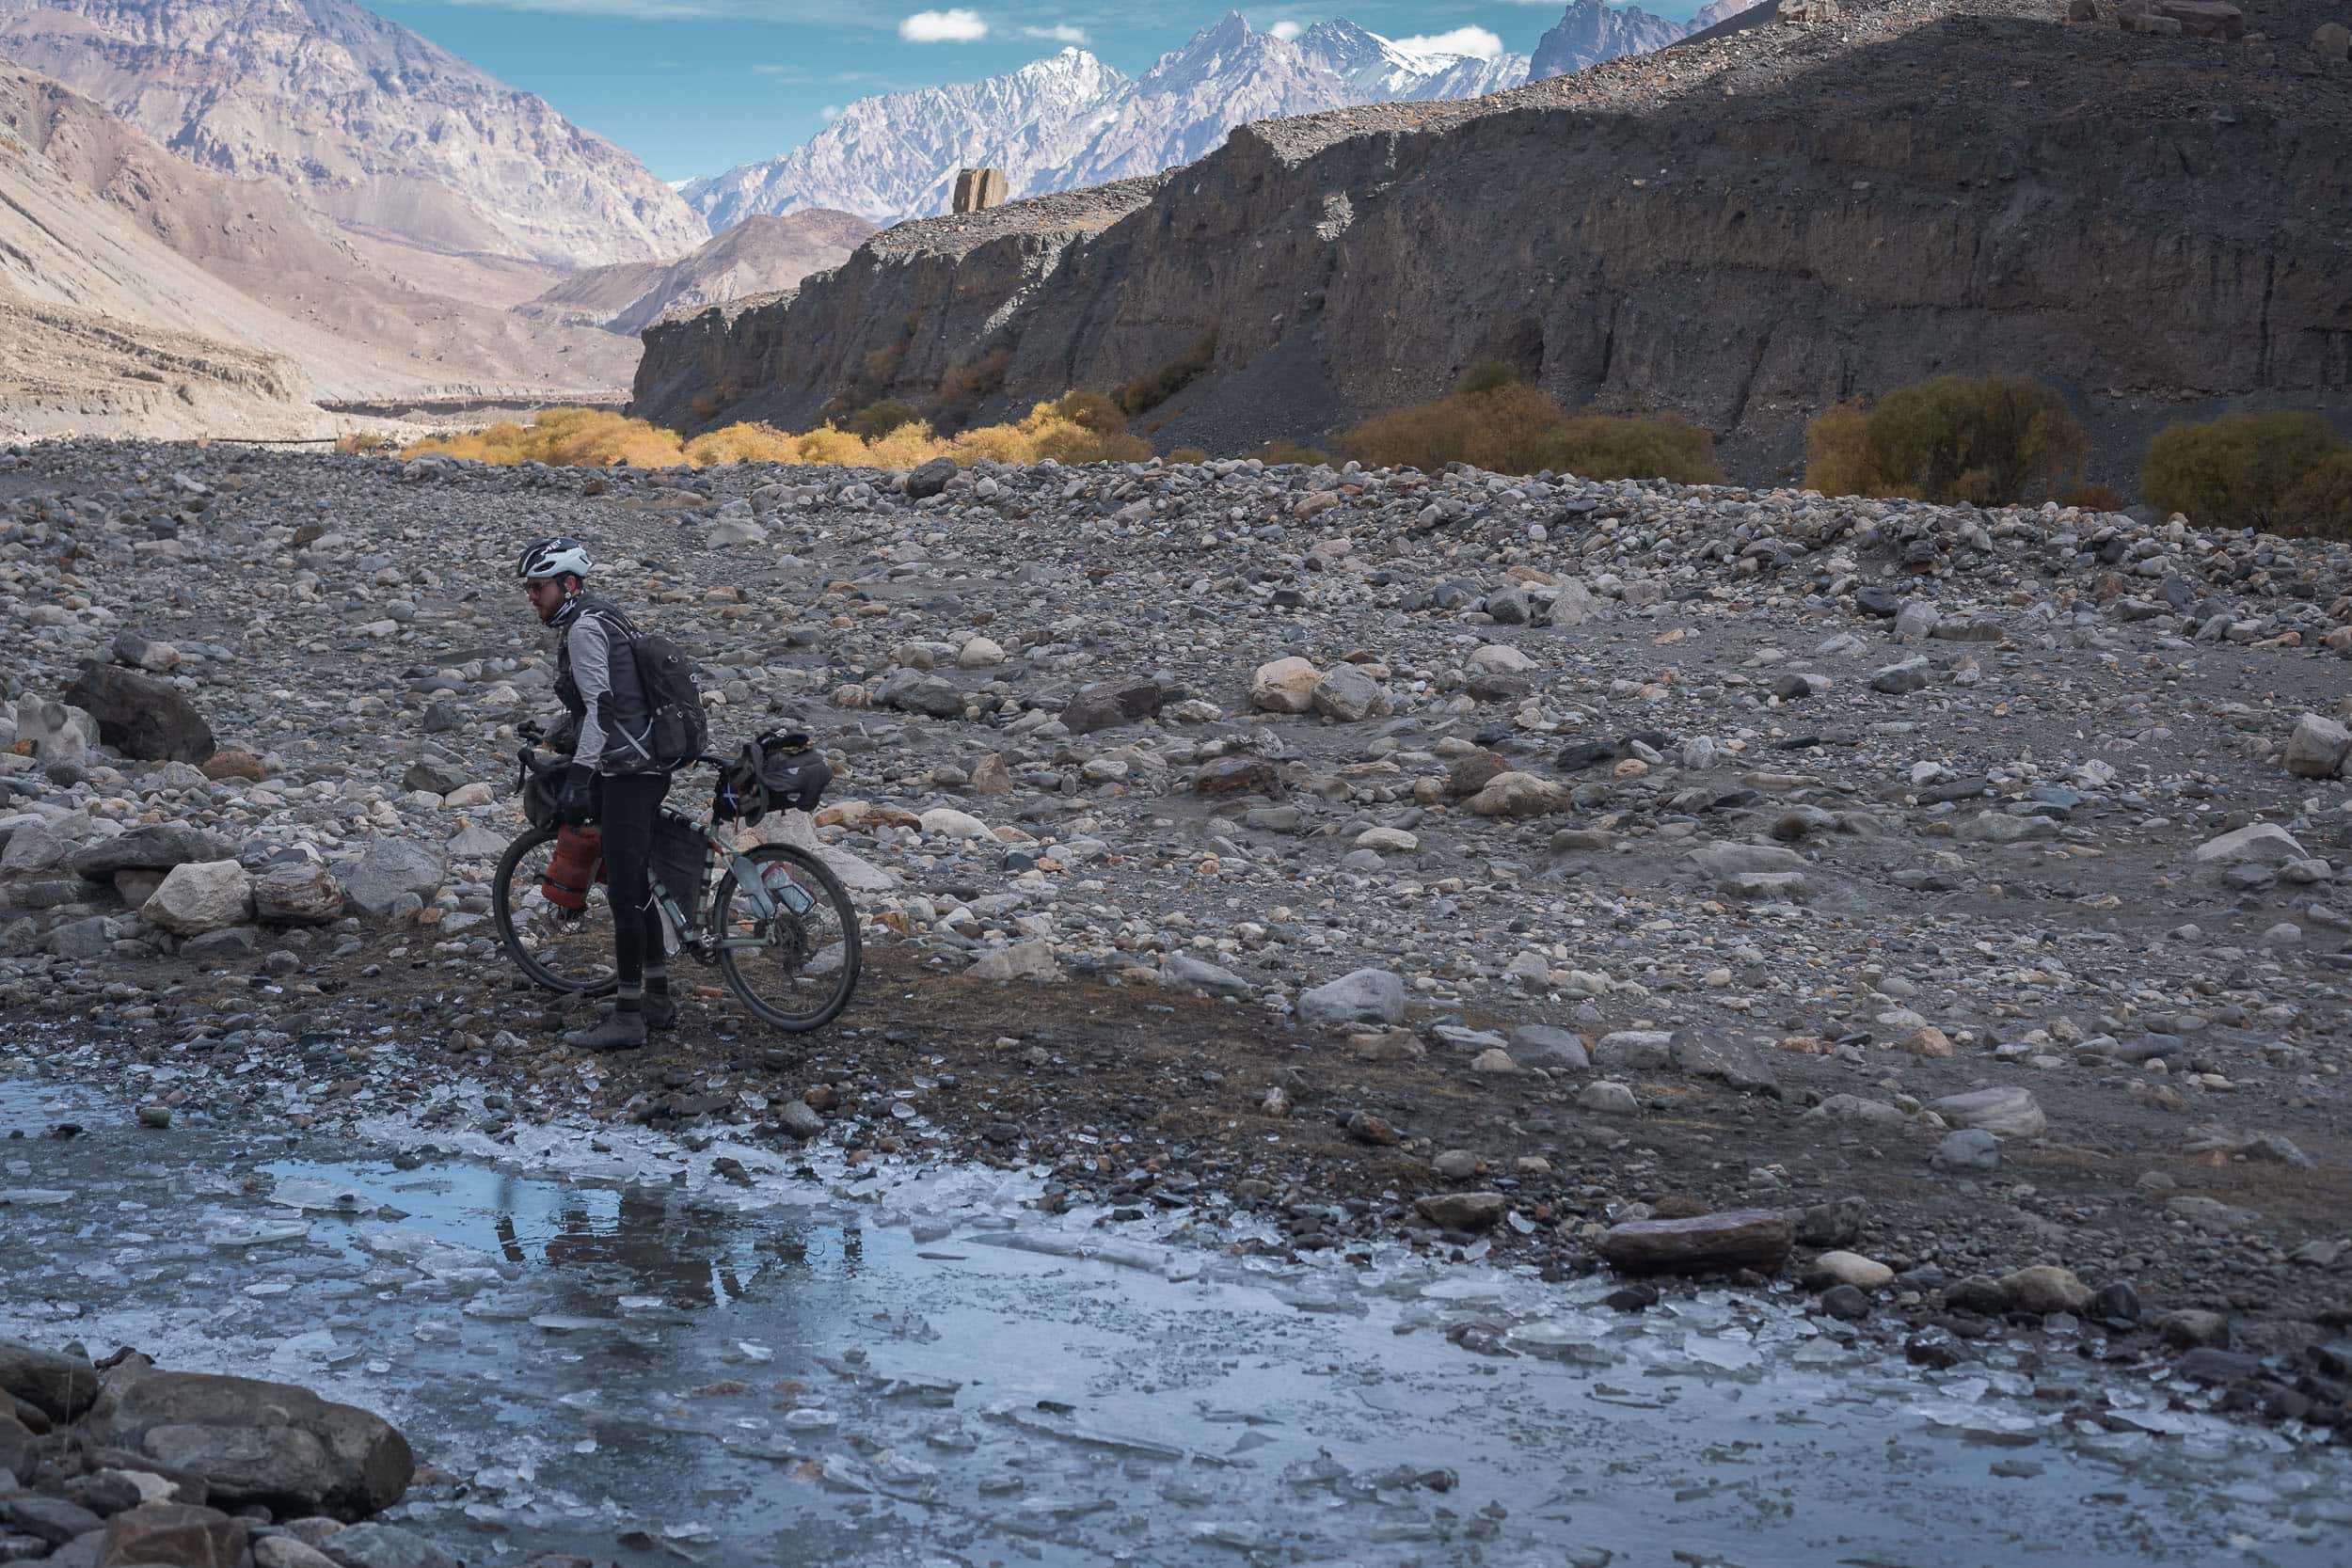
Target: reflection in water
{"type": "Point", "coordinates": [600, 1241]}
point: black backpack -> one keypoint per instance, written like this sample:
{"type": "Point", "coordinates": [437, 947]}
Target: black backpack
{"type": "Point", "coordinates": [679, 730]}
{"type": "Point", "coordinates": [676, 729]}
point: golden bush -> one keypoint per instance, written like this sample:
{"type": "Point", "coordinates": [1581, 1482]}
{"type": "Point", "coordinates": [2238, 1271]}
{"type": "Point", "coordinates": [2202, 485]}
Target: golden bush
{"type": "Point", "coordinates": [1510, 428]}
{"type": "Point", "coordinates": [830, 445]}
{"type": "Point", "coordinates": [992, 443]}
{"type": "Point", "coordinates": [2236, 471]}
{"type": "Point", "coordinates": [2320, 505]}
{"type": "Point", "coordinates": [905, 447]}
{"type": "Point", "coordinates": [742, 443]}
{"type": "Point", "coordinates": [1092, 411]}
{"type": "Point", "coordinates": [1982, 440]}
{"type": "Point", "coordinates": [1187, 454]}
{"type": "Point", "coordinates": [566, 437]}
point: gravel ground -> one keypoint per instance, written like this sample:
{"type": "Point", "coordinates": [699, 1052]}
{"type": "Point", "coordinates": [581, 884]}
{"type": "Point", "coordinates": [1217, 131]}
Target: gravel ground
{"type": "Point", "coordinates": [1637, 852]}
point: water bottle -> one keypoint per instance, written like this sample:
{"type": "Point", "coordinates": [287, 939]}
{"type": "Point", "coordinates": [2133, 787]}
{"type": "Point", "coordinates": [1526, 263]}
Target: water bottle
{"type": "Point", "coordinates": [788, 893]}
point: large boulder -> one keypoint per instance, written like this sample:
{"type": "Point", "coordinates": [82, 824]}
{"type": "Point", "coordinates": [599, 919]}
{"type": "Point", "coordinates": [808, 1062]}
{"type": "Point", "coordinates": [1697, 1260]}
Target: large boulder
{"type": "Point", "coordinates": [156, 847]}
{"type": "Point", "coordinates": [59, 1387]}
{"type": "Point", "coordinates": [926, 480]}
{"type": "Point", "coordinates": [1756, 1239]}
{"type": "Point", "coordinates": [1107, 704]}
{"type": "Point", "coordinates": [201, 896]}
{"type": "Point", "coordinates": [303, 894]}
{"type": "Point", "coordinates": [1728, 859]}
{"type": "Point", "coordinates": [2317, 748]}
{"type": "Point", "coordinates": [1237, 774]}
{"type": "Point", "coordinates": [179, 1534]}
{"type": "Point", "coordinates": [1285, 686]}
{"type": "Point", "coordinates": [57, 730]}
{"type": "Point", "coordinates": [1363, 996]}
{"type": "Point", "coordinates": [1519, 795]}
{"type": "Point", "coordinates": [2258, 843]}
{"type": "Point", "coordinates": [392, 867]}
{"type": "Point", "coordinates": [1348, 694]}
{"type": "Point", "coordinates": [2008, 1112]}
{"type": "Point", "coordinates": [37, 846]}
{"type": "Point", "coordinates": [255, 1441]}
{"type": "Point", "coordinates": [140, 716]}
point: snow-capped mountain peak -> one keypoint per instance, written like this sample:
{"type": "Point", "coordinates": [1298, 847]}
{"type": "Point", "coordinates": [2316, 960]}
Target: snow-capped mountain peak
{"type": "Point", "coordinates": [1069, 119]}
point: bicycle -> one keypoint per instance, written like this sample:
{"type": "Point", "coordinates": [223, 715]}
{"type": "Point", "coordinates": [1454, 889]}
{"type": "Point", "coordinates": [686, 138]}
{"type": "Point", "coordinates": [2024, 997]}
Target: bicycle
{"type": "Point", "coordinates": [778, 923]}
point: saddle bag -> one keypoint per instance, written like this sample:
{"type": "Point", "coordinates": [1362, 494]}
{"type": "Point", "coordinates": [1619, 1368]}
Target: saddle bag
{"type": "Point", "coordinates": [793, 773]}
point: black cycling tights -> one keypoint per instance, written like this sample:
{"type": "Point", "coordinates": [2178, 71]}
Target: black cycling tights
{"type": "Point", "coordinates": [631, 801]}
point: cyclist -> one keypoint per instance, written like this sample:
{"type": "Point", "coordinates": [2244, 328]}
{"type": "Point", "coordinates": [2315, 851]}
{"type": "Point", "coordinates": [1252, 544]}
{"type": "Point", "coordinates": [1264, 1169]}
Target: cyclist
{"type": "Point", "coordinates": [604, 725]}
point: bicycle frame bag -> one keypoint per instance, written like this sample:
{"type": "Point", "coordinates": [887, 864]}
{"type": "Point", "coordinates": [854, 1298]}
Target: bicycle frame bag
{"type": "Point", "coordinates": [677, 863]}
{"type": "Point", "coordinates": [578, 864]}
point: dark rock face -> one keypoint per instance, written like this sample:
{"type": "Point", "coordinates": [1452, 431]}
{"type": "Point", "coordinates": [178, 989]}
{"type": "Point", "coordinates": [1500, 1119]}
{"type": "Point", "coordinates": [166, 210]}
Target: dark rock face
{"type": "Point", "coordinates": [141, 717]}
{"type": "Point", "coordinates": [1385, 250]}
{"type": "Point", "coordinates": [268, 1443]}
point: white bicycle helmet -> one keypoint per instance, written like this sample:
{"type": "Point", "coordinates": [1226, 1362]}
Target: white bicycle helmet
{"type": "Point", "coordinates": [552, 558]}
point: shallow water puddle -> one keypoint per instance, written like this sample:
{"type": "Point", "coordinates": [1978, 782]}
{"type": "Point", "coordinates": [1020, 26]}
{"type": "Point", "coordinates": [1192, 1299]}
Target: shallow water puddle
{"type": "Point", "coordinates": [651, 1366]}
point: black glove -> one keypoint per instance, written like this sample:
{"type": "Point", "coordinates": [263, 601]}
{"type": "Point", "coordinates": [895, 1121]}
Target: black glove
{"type": "Point", "coordinates": [530, 730]}
{"type": "Point", "coordinates": [574, 804]}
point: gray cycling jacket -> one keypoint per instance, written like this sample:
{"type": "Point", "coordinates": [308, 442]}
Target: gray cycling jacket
{"type": "Point", "coordinates": [597, 681]}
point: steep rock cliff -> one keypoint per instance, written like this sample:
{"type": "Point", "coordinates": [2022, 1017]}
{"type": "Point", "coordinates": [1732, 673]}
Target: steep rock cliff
{"type": "Point", "coordinates": [1743, 229]}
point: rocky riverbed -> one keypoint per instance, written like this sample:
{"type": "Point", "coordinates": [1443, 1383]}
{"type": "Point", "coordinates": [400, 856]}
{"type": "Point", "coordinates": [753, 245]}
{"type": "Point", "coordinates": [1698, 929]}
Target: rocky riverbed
{"type": "Point", "coordinates": [1938, 909]}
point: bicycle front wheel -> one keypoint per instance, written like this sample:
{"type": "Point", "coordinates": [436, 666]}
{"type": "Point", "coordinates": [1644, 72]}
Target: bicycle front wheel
{"type": "Point", "coordinates": [561, 949]}
{"type": "Point", "coordinates": [797, 969]}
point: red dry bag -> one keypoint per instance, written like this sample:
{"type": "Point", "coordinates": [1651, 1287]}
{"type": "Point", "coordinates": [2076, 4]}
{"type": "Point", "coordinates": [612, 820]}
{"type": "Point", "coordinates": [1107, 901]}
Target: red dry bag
{"type": "Point", "coordinates": [579, 862]}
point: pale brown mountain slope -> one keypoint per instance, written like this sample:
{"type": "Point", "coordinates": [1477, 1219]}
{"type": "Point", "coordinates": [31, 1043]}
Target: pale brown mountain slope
{"type": "Point", "coordinates": [759, 256]}
{"type": "Point", "coordinates": [361, 120]}
{"type": "Point", "coordinates": [100, 220]}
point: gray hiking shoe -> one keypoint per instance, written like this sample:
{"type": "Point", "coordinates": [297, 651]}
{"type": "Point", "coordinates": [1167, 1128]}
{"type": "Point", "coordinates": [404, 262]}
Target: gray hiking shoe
{"type": "Point", "coordinates": [661, 1010]}
{"type": "Point", "coordinates": [615, 1031]}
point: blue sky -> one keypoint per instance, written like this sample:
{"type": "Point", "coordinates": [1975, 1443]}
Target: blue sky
{"type": "Point", "coordinates": [695, 86]}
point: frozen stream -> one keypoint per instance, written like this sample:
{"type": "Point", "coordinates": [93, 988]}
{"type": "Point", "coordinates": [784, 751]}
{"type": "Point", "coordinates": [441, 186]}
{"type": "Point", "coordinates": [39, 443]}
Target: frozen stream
{"type": "Point", "coordinates": [614, 1352]}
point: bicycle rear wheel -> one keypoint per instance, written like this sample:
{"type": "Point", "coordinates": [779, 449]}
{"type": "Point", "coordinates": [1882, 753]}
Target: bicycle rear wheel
{"type": "Point", "coordinates": [557, 948]}
{"type": "Point", "coordinates": [797, 970]}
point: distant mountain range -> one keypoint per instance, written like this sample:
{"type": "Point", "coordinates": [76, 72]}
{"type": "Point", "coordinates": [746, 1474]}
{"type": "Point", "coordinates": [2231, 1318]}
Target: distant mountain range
{"type": "Point", "coordinates": [365, 121]}
{"type": "Point", "coordinates": [1070, 120]}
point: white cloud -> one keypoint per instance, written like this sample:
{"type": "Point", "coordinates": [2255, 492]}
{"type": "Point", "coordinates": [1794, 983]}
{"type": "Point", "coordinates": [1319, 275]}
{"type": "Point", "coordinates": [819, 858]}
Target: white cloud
{"type": "Point", "coordinates": [953, 27]}
{"type": "Point", "coordinates": [1286, 30]}
{"type": "Point", "coordinates": [830, 113]}
{"type": "Point", "coordinates": [1477, 43]}
{"type": "Point", "coordinates": [1060, 32]}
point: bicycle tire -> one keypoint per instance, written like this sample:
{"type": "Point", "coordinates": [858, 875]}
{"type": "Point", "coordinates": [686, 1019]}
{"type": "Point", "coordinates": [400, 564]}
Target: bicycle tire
{"type": "Point", "coordinates": [503, 915]}
{"type": "Point", "coordinates": [814, 877]}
